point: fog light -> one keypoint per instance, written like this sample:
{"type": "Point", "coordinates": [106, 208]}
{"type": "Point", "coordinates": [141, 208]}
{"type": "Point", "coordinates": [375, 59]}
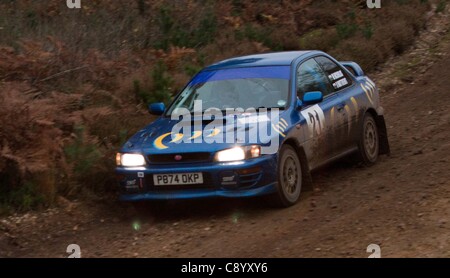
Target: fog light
{"type": "Point", "coordinates": [255, 151]}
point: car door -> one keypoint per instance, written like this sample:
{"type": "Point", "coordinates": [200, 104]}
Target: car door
{"type": "Point", "coordinates": [319, 145]}
{"type": "Point", "coordinates": [344, 114]}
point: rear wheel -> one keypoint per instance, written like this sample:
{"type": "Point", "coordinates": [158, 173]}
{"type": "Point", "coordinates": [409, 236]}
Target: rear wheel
{"type": "Point", "coordinates": [289, 178]}
{"type": "Point", "coordinates": [369, 143]}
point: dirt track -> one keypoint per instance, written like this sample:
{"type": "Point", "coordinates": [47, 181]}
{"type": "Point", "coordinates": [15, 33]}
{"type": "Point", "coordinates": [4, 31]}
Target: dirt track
{"type": "Point", "coordinates": [402, 203]}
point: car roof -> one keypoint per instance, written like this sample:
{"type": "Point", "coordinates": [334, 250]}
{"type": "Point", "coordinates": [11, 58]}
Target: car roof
{"type": "Point", "coordinates": [259, 60]}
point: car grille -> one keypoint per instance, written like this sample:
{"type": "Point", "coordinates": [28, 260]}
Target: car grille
{"type": "Point", "coordinates": [197, 157]}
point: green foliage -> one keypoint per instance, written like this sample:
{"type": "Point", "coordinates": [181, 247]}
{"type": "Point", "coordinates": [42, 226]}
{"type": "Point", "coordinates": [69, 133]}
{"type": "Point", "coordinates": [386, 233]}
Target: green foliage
{"type": "Point", "coordinates": [160, 91]}
{"type": "Point", "coordinates": [238, 7]}
{"type": "Point", "coordinates": [351, 15]}
{"type": "Point", "coordinates": [206, 30]}
{"type": "Point", "coordinates": [201, 59]}
{"type": "Point", "coordinates": [367, 31]}
{"type": "Point", "coordinates": [165, 23]}
{"type": "Point", "coordinates": [123, 135]}
{"type": "Point", "coordinates": [139, 92]}
{"type": "Point", "coordinates": [323, 39]}
{"type": "Point", "coordinates": [176, 33]}
{"type": "Point", "coordinates": [259, 34]}
{"type": "Point", "coordinates": [441, 6]}
{"type": "Point", "coordinates": [83, 155]}
{"type": "Point", "coordinates": [346, 30]}
{"type": "Point", "coordinates": [22, 198]}
{"type": "Point", "coordinates": [31, 19]}
{"type": "Point", "coordinates": [141, 7]}
{"type": "Point", "coordinates": [161, 83]}
{"type": "Point", "coordinates": [191, 70]}
{"type": "Point", "coordinates": [402, 2]}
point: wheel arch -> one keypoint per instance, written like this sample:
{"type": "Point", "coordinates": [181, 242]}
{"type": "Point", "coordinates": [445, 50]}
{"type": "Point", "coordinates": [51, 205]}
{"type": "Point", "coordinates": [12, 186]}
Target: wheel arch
{"type": "Point", "coordinates": [307, 178]}
{"type": "Point", "coordinates": [382, 131]}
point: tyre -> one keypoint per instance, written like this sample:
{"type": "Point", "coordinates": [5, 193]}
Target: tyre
{"type": "Point", "coordinates": [369, 141]}
{"type": "Point", "coordinates": [289, 178]}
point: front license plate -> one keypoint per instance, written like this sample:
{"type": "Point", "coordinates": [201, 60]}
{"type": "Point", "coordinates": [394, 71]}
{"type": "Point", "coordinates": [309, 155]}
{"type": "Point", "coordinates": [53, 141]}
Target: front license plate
{"type": "Point", "coordinates": [176, 179]}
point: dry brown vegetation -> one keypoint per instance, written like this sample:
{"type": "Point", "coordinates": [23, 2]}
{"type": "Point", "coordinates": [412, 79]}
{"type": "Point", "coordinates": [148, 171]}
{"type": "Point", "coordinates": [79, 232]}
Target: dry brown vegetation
{"type": "Point", "coordinates": [74, 83]}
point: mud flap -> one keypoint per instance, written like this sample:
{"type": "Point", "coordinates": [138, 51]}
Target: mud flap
{"type": "Point", "coordinates": [307, 177]}
{"type": "Point", "coordinates": [383, 136]}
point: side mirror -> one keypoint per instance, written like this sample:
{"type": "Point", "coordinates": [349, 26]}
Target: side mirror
{"type": "Point", "coordinates": [156, 108]}
{"type": "Point", "coordinates": [299, 104]}
{"type": "Point", "coordinates": [311, 98]}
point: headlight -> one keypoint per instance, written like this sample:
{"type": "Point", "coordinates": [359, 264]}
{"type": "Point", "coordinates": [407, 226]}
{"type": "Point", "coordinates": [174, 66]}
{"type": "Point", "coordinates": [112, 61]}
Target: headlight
{"type": "Point", "coordinates": [130, 160]}
{"type": "Point", "coordinates": [238, 153]}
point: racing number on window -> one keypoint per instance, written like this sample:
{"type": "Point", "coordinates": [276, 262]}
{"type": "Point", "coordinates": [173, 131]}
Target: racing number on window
{"type": "Point", "coordinates": [315, 119]}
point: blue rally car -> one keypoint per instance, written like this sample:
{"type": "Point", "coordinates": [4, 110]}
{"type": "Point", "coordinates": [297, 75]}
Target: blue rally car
{"type": "Point", "coordinates": [252, 126]}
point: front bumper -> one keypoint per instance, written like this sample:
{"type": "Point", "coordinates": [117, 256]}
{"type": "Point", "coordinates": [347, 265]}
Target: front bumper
{"type": "Point", "coordinates": [253, 177]}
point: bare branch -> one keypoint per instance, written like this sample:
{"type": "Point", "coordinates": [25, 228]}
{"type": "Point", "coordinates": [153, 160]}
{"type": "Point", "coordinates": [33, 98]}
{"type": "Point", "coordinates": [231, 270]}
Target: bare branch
{"type": "Point", "coordinates": [61, 73]}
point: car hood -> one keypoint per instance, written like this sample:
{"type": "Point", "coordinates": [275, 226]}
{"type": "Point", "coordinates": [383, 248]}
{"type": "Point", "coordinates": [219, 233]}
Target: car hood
{"type": "Point", "coordinates": [196, 135]}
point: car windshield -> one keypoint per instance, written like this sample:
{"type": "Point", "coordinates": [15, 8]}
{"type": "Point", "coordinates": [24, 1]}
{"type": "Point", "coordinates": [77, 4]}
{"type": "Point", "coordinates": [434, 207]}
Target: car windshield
{"type": "Point", "coordinates": [239, 88]}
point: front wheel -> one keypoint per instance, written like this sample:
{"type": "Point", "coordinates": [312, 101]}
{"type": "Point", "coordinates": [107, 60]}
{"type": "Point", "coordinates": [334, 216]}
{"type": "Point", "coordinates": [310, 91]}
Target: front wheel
{"type": "Point", "coordinates": [369, 143]}
{"type": "Point", "coordinates": [289, 178]}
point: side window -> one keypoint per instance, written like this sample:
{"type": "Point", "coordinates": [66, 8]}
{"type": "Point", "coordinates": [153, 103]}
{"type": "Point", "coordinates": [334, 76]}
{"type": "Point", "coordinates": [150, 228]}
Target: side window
{"type": "Point", "coordinates": [310, 77]}
{"type": "Point", "coordinates": [350, 69]}
{"type": "Point", "coordinates": [339, 78]}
